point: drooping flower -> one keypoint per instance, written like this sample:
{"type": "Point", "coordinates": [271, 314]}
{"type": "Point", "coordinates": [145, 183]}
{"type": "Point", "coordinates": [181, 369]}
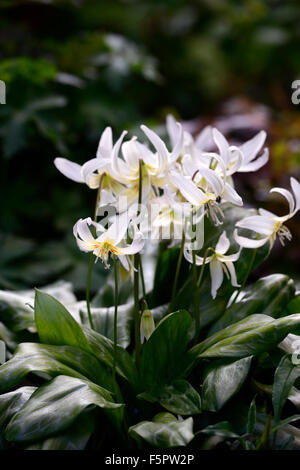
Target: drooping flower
{"type": "Point", "coordinates": [147, 325]}
{"type": "Point", "coordinates": [242, 158]}
{"type": "Point", "coordinates": [111, 241]}
{"type": "Point", "coordinates": [219, 263]}
{"type": "Point", "coordinates": [268, 225]}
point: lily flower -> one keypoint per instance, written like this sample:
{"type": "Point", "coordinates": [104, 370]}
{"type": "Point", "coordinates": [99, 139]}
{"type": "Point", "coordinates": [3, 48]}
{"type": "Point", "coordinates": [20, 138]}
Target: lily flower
{"type": "Point", "coordinates": [203, 186]}
{"type": "Point", "coordinates": [91, 171]}
{"type": "Point", "coordinates": [243, 158]}
{"type": "Point", "coordinates": [219, 263]}
{"type": "Point", "coordinates": [268, 225]}
{"type": "Point", "coordinates": [111, 240]}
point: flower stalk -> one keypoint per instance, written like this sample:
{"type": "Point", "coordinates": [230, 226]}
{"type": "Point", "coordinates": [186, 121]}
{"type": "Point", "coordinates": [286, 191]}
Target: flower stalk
{"type": "Point", "coordinates": [137, 265]}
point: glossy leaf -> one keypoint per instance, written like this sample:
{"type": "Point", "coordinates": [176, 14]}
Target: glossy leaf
{"type": "Point", "coordinates": [254, 341]}
{"type": "Point", "coordinates": [222, 429]}
{"type": "Point", "coordinates": [163, 352]}
{"type": "Point", "coordinates": [56, 325]}
{"type": "Point", "coordinates": [55, 406]}
{"type": "Point", "coordinates": [222, 381]}
{"type": "Point", "coordinates": [52, 360]}
{"type": "Point", "coordinates": [285, 376]}
{"type": "Point", "coordinates": [179, 397]}
{"type": "Point", "coordinates": [103, 319]}
{"type": "Point", "coordinates": [164, 431]}
{"type": "Point", "coordinates": [269, 296]}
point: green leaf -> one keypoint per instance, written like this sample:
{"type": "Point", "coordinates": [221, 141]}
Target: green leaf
{"type": "Point", "coordinates": [294, 305]}
{"type": "Point", "coordinates": [284, 422]}
{"type": "Point", "coordinates": [10, 403]}
{"type": "Point", "coordinates": [255, 341]}
{"type": "Point", "coordinates": [52, 360]}
{"type": "Point", "coordinates": [164, 431]}
{"type": "Point", "coordinates": [285, 376]}
{"type": "Point", "coordinates": [75, 437]}
{"type": "Point", "coordinates": [179, 397]}
{"type": "Point", "coordinates": [103, 349]}
{"type": "Point", "coordinates": [55, 406]}
{"type": "Point", "coordinates": [269, 296]}
{"type": "Point", "coordinates": [222, 381]}
{"type": "Point", "coordinates": [242, 326]}
{"type": "Point", "coordinates": [163, 352]}
{"type": "Point", "coordinates": [251, 417]}
{"type": "Point", "coordinates": [222, 429]}
{"type": "Point", "coordinates": [56, 325]}
{"type": "Point", "coordinates": [103, 319]}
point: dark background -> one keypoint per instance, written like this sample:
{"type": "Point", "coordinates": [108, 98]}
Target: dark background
{"type": "Point", "coordinates": [73, 67]}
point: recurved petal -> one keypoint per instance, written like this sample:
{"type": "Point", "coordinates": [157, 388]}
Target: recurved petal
{"type": "Point", "coordinates": [251, 148]}
{"type": "Point", "coordinates": [158, 144]}
{"type": "Point", "coordinates": [288, 195]}
{"type": "Point", "coordinates": [223, 244]}
{"type": "Point", "coordinates": [248, 242]}
{"type": "Point", "coordinates": [232, 273]}
{"type": "Point", "coordinates": [296, 190]}
{"type": "Point", "coordinates": [105, 142]}
{"type": "Point", "coordinates": [258, 223]}
{"type": "Point", "coordinates": [255, 164]}
{"type": "Point", "coordinates": [188, 189]}
{"type": "Point", "coordinates": [230, 195]}
{"type": "Point", "coordinates": [69, 169]}
{"type": "Point", "coordinates": [222, 145]}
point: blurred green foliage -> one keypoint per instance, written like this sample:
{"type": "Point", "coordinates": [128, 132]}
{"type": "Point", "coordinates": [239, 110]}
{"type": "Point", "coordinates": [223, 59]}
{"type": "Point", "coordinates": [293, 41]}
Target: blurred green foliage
{"type": "Point", "coordinates": [72, 67]}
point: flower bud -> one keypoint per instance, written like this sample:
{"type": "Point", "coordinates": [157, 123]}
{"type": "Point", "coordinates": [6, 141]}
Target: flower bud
{"type": "Point", "coordinates": [147, 325]}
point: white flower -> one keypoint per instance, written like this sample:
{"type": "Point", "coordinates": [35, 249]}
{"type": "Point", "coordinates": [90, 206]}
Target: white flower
{"type": "Point", "coordinates": [147, 325]}
{"type": "Point", "coordinates": [267, 224]}
{"type": "Point", "coordinates": [218, 263]}
{"type": "Point", "coordinates": [203, 186]}
{"type": "Point", "coordinates": [111, 240]}
{"type": "Point", "coordinates": [91, 171]}
{"type": "Point", "coordinates": [243, 158]}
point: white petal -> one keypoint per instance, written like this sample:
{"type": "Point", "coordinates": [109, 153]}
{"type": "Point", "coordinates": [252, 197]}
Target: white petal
{"type": "Point", "coordinates": [251, 148]}
{"type": "Point", "coordinates": [230, 195]}
{"type": "Point", "coordinates": [171, 128]}
{"type": "Point", "coordinates": [231, 270]}
{"type": "Point", "coordinates": [158, 144]}
{"type": "Point", "coordinates": [115, 152]}
{"type": "Point", "coordinates": [255, 164]}
{"type": "Point", "coordinates": [135, 247]}
{"type": "Point", "coordinates": [131, 153]}
{"type": "Point", "coordinates": [287, 195]}
{"type": "Point", "coordinates": [81, 229]}
{"type": "Point", "coordinates": [69, 169]}
{"type": "Point", "coordinates": [198, 259]}
{"type": "Point", "coordinates": [213, 179]}
{"type": "Point", "coordinates": [296, 190]}
{"type": "Point", "coordinates": [204, 139]}
{"type": "Point", "coordinates": [216, 274]}
{"type": "Point", "coordinates": [178, 144]}
{"type": "Point", "coordinates": [105, 142]}
{"type": "Point", "coordinates": [248, 242]}
{"type": "Point", "coordinates": [188, 189]}
{"type": "Point", "coordinates": [124, 262]}
{"type": "Point", "coordinates": [223, 244]}
{"type": "Point", "coordinates": [258, 223]}
{"type": "Point", "coordinates": [222, 145]}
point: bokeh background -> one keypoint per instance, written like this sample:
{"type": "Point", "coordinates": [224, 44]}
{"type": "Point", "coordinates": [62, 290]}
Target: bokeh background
{"type": "Point", "coordinates": [73, 67]}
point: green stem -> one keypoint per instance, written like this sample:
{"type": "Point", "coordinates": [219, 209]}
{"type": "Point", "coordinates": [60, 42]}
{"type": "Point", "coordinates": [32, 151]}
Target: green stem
{"type": "Point", "coordinates": [91, 264]}
{"type": "Point", "coordinates": [142, 276]}
{"type": "Point", "coordinates": [196, 297]}
{"type": "Point", "coordinates": [246, 277]}
{"type": "Point", "coordinates": [203, 265]}
{"type": "Point", "coordinates": [177, 272]}
{"type": "Point", "coordinates": [136, 264]}
{"type": "Point", "coordinates": [115, 318]}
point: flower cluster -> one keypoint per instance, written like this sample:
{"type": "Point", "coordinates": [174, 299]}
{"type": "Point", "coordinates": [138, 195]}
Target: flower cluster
{"type": "Point", "coordinates": [159, 192]}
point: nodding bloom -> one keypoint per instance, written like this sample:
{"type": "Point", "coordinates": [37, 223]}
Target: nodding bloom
{"type": "Point", "coordinates": [111, 241]}
{"type": "Point", "coordinates": [219, 263]}
{"type": "Point", "coordinates": [242, 158]}
{"type": "Point", "coordinates": [268, 225]}
{"type": "Point", "coordinates": [91, 171]}
{"type": "Point", "coordinates": [203, 186]}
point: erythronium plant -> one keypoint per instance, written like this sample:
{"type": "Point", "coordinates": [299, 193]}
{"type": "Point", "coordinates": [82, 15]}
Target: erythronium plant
{"type": "Point", "coordinates": [156, 360]}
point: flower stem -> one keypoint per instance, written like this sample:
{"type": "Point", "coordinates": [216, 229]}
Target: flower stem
{"type": "Point", "coordinates": [177, 272]}
{"type": "Point", "coordinates": [196, 297]}
{"type": "Point", "coordinates": [142, 276]}
{"type": "Point", "coordinates": [137, 265]}
{"type": "Point", "coordinates": [203, 265]}
{"type": "Point", "coordinates": [115, 317]}
{"type": "Point", "coordinates": [91, 264]}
